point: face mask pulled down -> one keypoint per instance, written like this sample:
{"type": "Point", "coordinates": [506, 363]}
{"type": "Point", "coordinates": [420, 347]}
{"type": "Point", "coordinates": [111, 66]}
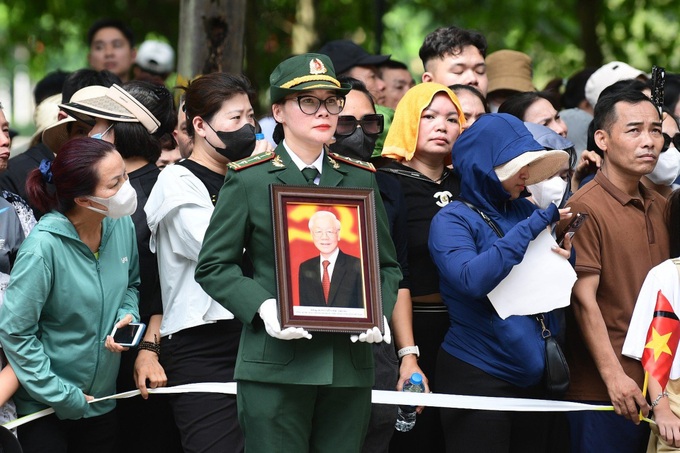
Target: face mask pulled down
{"type": "Point", "coordinates": [667, 168]}
{"type": "Point", "coordinates": [121, 204]}
{"type": "Point", "coordinates": [238, 144]}
{"type": "Point", "coordinates": [358, 144]}
{"type": "Point", "coordinates": [549, 191]}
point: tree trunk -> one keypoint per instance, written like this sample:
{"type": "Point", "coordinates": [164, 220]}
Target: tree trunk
{"type": "Point", "coordinates": [304, 32]}
{"type": "Point", "coordinates": [589, 13]}
{"type": "Point", "coordinates": [210, 37]}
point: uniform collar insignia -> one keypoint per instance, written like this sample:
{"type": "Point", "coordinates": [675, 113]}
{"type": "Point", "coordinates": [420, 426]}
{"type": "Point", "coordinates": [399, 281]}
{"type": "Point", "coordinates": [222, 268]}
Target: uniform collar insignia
{"type": "Point", "coordinates": [277, 162]}
{"type": "Point", "coordinates": [333, 162]}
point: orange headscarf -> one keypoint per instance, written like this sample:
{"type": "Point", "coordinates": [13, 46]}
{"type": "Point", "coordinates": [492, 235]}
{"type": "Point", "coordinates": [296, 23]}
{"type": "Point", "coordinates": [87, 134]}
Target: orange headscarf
{"type": "Point", "coordinates": [402, 137]}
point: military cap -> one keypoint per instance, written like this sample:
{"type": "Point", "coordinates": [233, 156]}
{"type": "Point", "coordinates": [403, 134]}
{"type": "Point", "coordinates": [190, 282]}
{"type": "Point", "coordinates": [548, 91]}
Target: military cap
{"type": "Point", "coordinates": [310, 71]}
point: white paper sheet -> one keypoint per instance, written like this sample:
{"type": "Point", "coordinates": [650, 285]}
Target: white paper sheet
{"type": "Point", "coordinates": [540, 283]}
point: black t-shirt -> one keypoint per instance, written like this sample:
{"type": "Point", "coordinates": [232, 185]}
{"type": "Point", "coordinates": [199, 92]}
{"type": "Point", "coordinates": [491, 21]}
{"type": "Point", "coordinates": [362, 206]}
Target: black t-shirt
{"type": "Point", "coordinates": [424, 198]}
{"type": "Point", "coordinates": [212, 181]}
{"type": "Point", "coordinates": [150, 303]}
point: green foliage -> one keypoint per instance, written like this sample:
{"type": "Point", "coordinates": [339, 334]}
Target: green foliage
{"type": "Point", "coordinates": [49, 34]}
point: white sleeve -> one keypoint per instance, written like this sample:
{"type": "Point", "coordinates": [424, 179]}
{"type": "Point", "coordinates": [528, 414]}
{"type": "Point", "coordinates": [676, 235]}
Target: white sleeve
{"type": "Point", "coordinates": [643, 313]}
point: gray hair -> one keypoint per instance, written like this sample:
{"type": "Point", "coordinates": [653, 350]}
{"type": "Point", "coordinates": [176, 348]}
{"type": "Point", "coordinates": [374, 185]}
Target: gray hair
{"type": "Point", "coordinates": [318, 214]}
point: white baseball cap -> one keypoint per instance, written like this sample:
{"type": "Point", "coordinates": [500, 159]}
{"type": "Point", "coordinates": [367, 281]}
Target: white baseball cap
{"type": "Point", "coordinates": [156, 57]}
{"type": "Point", "coordinates": [608, 75]}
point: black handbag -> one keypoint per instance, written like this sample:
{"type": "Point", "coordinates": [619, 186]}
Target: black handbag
{"type": "Point", "coordinates": [556, 374]}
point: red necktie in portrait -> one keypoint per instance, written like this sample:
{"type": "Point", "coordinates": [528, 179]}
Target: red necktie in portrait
{"type": "Point", "coordinates": [326, 280]}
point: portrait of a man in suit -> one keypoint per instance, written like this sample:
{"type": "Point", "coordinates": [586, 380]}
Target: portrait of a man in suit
{"type": "Point", "coordinates": [334, 278]}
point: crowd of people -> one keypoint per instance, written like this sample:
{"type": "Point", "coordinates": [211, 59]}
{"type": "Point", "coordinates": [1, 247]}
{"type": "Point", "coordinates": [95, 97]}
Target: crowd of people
{"type": "Point", "coordinates": [137, 204]}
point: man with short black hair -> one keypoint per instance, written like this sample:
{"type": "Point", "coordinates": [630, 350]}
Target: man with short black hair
{"type": "Point", "coordinates": [112, 47]}
{"type": "Point", "coordinates": [453, 55]}
{"type": "Point", "coordinates": [624, 237]}
{"type": "Point", "coordinates": [351, 60]}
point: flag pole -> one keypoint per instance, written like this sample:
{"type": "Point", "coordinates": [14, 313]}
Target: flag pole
{"type": "Point", "coordinates": [644, 391]}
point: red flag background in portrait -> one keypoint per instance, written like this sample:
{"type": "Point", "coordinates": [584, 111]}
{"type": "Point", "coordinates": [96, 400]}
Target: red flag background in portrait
{"type": "Point", "coordinates": [662, 341]}
{"type": "Point", "coordinates": [300, 241]}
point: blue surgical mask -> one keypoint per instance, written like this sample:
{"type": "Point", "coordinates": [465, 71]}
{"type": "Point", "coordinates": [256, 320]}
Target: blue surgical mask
{"type": "Point", "coordinates": [101, 135]}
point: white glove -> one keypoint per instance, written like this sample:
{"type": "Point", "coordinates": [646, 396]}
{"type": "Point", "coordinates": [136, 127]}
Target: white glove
{"type": "Point", "coordinates": [373, 335]}
{"type": "Point", "coordinates": [268, 313]}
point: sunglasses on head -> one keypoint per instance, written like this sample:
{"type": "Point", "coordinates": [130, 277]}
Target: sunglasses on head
{"type": "Point", "coordinates": [667, 140]}
{"type": "Point", "coordinates": [371, 124]}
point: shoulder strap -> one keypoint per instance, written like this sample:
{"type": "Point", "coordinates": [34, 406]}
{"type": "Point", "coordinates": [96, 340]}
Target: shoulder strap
{"type": "Point", "coordinates": [354, 162]}
{"type": "Point", "coordinates": [252, 160]}
{"type": "Point", "coordinates": [486, 218]}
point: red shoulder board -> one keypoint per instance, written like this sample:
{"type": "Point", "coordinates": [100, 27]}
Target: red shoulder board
{"type": "Point", "coordinates": [354, 162]}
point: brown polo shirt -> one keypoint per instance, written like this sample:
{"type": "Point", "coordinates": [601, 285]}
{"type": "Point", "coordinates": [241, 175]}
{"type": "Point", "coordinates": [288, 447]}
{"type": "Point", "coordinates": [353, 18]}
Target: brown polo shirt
{"type": "Point", "coordinates": [621, 241]}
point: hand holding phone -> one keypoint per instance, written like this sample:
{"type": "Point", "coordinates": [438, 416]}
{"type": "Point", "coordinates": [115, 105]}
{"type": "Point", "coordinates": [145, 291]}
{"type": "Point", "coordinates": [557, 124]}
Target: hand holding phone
{"type": "Point", "coordinates": [129, 335]}
{"type": "Point", "coordinates": [573, 227]}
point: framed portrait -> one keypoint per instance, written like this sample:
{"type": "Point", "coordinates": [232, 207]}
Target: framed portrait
{"type": "Point", "coordinates": [327, 266]}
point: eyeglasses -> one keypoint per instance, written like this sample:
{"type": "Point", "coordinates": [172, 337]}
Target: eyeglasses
{"type": "Point", "coordinates": [311, 104]}
{"type": "Point", "coordinates": [667, 140]}
{"type": "Point", "coordinates": [322, 233]}
{"type": "Point", "coordinates": [371, 124]}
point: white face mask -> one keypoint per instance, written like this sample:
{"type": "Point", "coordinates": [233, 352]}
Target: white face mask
{"type": "Point", "coordinates": [549, 191]}
{"type": "Point", "coordinates": [667, 167]}
{"type": "Point", "coordinates": [121, 204]}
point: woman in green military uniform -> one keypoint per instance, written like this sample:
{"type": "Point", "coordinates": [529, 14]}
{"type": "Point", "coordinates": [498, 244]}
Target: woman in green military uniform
{"type": "Point", "coordinates": [297, 392]}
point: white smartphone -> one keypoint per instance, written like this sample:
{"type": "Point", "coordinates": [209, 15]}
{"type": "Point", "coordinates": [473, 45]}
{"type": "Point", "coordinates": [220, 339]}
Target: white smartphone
{"type": "Point", "coordinates": [129, 335]}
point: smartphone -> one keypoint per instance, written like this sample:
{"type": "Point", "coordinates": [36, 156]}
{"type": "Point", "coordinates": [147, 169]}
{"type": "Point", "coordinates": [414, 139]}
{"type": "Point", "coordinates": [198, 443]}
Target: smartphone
{"type": "Point", "coordinates": [129, 335]}
{"type": "Point", "coordinates": [573, 227]}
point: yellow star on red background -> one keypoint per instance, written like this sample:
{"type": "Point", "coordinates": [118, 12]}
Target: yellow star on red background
{"type": "Point", "coordinates": [659, 344]}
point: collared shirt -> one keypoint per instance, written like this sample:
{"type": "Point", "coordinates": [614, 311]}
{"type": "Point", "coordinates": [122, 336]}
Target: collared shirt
{"type": "Point", "coordinates": [332, 259]}
{"type": "Point", "coordinates": [622, 240]}
{"type": "Point", "coordinates": [318, 163]}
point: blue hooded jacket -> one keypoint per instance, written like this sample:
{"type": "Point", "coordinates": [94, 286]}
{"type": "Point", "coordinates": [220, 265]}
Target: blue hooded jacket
{"type": "Point", "coordinates": [472, 260]}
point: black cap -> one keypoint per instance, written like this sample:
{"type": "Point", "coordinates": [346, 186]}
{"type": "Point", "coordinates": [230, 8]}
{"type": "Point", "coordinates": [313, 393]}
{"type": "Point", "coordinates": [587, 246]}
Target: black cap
{"type": "Point", "coordinates": [345, 55]}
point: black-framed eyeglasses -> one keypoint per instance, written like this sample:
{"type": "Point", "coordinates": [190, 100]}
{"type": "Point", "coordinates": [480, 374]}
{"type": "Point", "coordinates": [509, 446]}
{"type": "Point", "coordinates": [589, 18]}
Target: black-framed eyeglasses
{"type": "Point", "coordinates": [371, 124]}
{"type": "Point", "coordinates": [309, 104]}
{"type": "Point", "coordinates": [667, 140]}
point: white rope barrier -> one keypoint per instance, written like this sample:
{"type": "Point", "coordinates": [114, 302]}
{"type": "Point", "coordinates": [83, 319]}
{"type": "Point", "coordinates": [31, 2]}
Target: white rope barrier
{"type": "Point", "coordinates": [378, 396]}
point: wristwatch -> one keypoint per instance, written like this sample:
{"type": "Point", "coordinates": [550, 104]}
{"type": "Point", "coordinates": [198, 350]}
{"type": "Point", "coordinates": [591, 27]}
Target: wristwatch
{"type": "Point", "coordinates": [408, 350]}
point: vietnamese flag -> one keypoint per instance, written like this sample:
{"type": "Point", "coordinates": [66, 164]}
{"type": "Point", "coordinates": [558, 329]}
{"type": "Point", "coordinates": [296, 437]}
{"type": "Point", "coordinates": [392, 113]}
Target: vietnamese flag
{"type": "Point", "coordinates": [662, 341]}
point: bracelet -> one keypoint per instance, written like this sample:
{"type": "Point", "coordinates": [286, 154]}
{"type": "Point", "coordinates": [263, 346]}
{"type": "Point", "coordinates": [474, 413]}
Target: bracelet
{"type": "Point", "coordinates": [408, 350]}
{"type": "Point", "coordinates": [150, 346]}
{"type": "Point", "coordinates": [658, 398]}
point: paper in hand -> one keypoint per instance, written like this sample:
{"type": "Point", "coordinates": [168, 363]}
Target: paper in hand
{"type": "Point", "coordinates": [540, 283]}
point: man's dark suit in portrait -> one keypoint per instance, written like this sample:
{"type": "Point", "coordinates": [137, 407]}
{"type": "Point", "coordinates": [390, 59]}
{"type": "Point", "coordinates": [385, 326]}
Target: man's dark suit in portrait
{"type": "Point", "coordinates": [346, 288]}
{"type": "Point", "coordinates": [332, 279]}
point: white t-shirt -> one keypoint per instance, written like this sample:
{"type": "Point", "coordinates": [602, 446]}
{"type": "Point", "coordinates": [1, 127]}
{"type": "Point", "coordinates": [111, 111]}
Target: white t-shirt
{"type": "Point", "coordinates": [664, 278]}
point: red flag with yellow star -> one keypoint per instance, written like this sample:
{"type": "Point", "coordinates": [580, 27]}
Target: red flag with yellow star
{"type": "Point", "coordinates": [662, 341]}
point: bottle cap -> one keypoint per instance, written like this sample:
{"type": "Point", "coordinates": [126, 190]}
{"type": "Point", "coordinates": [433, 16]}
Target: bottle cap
{"type": "Point", "coordinates": [259, 136]}
{"type": "Point", "coordinates": [416, 379]}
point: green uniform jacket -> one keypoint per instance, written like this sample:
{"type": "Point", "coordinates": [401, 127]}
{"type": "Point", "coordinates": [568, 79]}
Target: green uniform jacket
{"type": "Point", "coordinates": [60, 305]}
{"type": "Point", "coordinates": [243, 220]}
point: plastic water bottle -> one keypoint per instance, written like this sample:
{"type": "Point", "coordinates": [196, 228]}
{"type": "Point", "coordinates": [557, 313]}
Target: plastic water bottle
{"type": "Point", "coordinates": [406, 415]}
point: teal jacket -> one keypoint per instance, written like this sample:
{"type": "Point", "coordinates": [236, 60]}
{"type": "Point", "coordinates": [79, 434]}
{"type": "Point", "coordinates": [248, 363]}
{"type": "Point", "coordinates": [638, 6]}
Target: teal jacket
{"type": "Point", "coordinates": [60, 305]}
{"type": "Point", "coordinates": [243, 220]}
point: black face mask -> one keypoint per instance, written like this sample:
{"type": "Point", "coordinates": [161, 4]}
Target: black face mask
{"type": "Point", "coordinates": [357, 145]}
{"type": "Point", "coordinates": [239, 144]}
